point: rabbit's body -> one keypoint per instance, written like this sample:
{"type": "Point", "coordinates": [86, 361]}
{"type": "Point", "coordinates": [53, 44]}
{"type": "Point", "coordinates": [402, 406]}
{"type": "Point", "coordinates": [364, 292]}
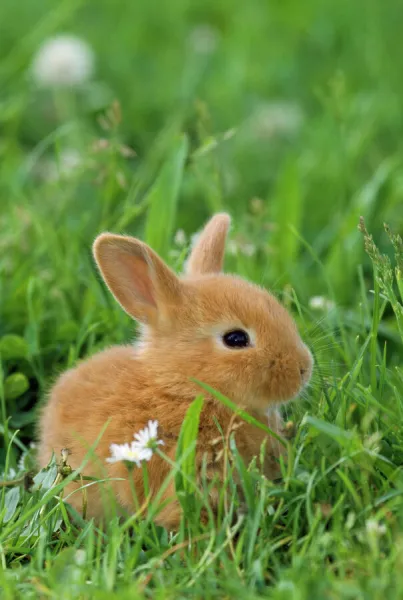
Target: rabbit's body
{"type": "Point", "coordinates": [185, 337]}
{"type": "Point", "coordinates": [114, 386]}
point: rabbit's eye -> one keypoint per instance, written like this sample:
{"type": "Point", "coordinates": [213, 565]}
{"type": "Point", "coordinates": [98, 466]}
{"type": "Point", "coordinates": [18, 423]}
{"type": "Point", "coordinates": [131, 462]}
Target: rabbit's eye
{"type": "Point", "coordinates": [236, 339]}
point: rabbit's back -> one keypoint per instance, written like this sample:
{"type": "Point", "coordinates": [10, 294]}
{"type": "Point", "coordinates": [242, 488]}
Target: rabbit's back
{"type": "Point", "coordinates": [110, 392]}
{"type": "Point", "coordinates": [104, 401]}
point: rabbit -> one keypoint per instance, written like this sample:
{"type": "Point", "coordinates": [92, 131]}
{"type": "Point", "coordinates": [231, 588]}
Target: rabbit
{"type": "Point", "coordinates": [204, 325]}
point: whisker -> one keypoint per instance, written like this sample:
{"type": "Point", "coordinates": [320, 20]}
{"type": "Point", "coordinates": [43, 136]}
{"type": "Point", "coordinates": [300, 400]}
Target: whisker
{"type": "Point", "coordinates": [316, 340]}
{"type": "Point", "coordinates": [331, 363]}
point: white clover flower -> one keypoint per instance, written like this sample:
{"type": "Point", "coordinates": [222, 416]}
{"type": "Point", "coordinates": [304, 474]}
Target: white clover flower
{"type": "Point", "coordinates": [203, 39]}
{"type": "Point", "coordinates": [63, 61]}
{"type": "Point", "coordinates": [277, 119]}
{"type": "Point", "coordinates": [321, 303]}
{"type": "Point", "coordinates": [374, 528]}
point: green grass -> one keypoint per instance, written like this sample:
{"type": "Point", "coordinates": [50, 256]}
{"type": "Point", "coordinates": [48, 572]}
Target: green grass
{"type": "Point", "coordinates": [332, 527]}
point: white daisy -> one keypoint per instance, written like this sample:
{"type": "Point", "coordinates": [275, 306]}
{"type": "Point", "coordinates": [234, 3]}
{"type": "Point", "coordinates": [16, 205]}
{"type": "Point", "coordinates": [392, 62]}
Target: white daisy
{"type": "Point", "coordinates": [142, 448]}
{"type": "Point", "coordinates": [146, 439]}
{"type": "Point", "coordinates": [63, 61]}
{"type": "Point", "coordinates": [125, 452]}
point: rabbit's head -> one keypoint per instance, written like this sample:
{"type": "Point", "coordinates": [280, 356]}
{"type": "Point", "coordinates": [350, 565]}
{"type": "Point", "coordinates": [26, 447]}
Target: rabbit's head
{"type": "Point", "coordinates": [206, 325]}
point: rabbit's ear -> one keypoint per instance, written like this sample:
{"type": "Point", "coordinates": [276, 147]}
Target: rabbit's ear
{"type": "Point", "coordinates": [140, 281]}
{"type": "Point", "coordinates": [207, 255]}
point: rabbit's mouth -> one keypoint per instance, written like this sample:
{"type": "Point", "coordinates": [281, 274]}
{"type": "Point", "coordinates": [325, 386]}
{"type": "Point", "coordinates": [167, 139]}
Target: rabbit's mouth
{"type": "Point", "coordinates": [283, 387]}
{"type": "Point", "coordinates": [291, 378]}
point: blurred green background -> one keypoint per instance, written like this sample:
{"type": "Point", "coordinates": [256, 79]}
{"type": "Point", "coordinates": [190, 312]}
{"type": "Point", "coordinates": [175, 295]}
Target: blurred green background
{"type": "Point", "coordinates": [147, 118]}
{"type": "Point", "coordinates": [308, 94]}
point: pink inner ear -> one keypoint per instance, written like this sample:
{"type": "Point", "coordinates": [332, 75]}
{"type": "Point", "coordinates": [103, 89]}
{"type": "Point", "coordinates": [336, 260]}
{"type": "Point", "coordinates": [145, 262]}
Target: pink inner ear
{"type": "Point", "coordinates": [138, 275]}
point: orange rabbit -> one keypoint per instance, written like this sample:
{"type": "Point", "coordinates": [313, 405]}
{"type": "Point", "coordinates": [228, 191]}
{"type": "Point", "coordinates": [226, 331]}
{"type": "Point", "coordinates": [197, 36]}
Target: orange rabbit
{"type": "Point", "coordinates": [204, 325]}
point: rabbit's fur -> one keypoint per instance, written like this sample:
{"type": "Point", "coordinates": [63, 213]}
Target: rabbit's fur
{"type": "Point", "coordinates": [183, 320]}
